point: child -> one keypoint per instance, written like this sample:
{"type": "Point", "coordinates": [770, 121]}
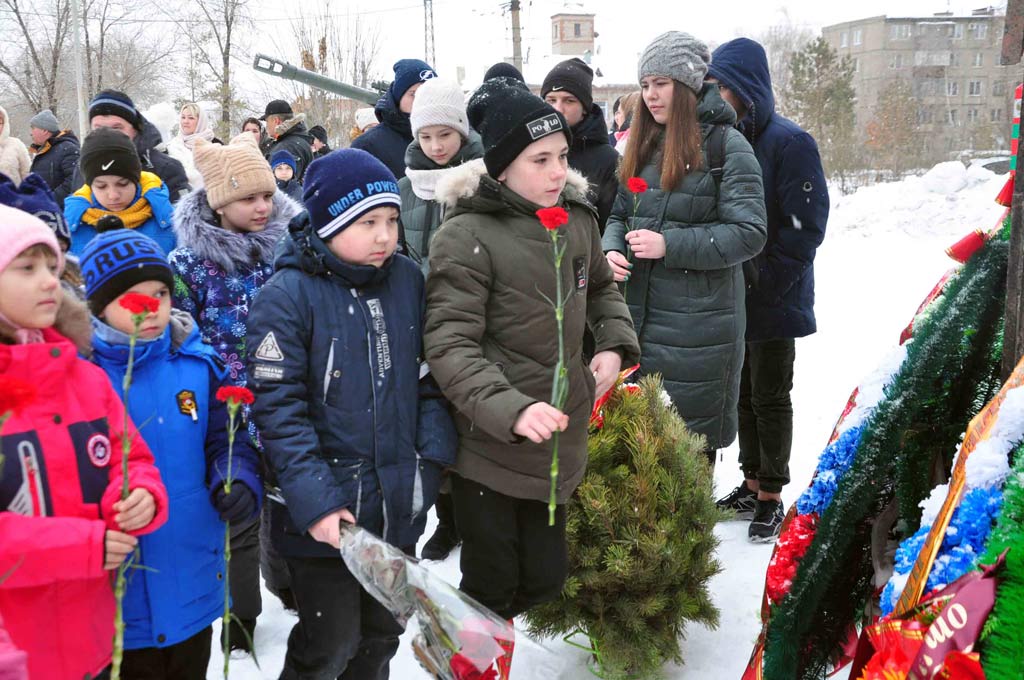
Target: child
{"type": "Point", "coordinates": [442, 141]}
{"type": "Point", "coordinates": [226, 234]}
{"type": "Point", "coordinates": [490, 339]}
{"type": "Point", "coordinates": [283, 165]}
{"type": "Point", "coordinates": [116, 184]}
{"type": "Point", "coordinates": [175, 377]}
{"type": "Point", "coordinates": [63, 524]}
{"type": "Point", "coordinates": [350, 425]}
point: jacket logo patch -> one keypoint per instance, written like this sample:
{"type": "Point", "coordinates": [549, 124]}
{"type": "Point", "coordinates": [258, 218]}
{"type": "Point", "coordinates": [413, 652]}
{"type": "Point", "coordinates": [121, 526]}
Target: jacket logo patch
{"type": "Point", "coordinates": [382, 344]}
{"type": "Point", "coordinates": [264, 372]}
{"type": "Point", "coordinates": [269, 350]}
{"type": "Point", "coordinates": [187, 404]}
{"type": "Point", "coordinates": [98, 448]}
{"type": "Point", "coordinates": [544, 126]}
{"type": "Point", "coordinates": [579, 268]}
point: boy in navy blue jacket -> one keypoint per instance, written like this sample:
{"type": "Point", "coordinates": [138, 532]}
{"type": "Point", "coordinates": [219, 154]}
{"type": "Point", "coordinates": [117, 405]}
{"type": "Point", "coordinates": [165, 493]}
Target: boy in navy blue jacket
{"type": "Point", "coordinates": [354, 428]}
{"type": "Point", "coordinates": [169, 606]}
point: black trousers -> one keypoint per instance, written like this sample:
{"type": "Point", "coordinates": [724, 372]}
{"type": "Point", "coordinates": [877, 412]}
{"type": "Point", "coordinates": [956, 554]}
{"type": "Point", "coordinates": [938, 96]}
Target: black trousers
{"type": "Point", "coordinates": [766, 412]}
{"type": "Point", "coordinates": [511, 559]}
{"type": "Point", "coordinates": [342, 633]}
{"type": "Point", "coordinates": [246, 601]}
{"type": "Point", "coordinates": [186, 660]}
{"type": "Point", "coordinates": [273, 566]}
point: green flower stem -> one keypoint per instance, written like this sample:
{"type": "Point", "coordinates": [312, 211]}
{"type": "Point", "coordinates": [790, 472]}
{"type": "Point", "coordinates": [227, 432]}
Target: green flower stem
{"type": "Point", "coordinates": [559, 386]}
{"type": "Point", "coordinates": [226, 618]}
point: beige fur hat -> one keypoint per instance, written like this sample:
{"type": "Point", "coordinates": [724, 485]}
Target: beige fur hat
{"type": "Point", "coordinates": [232, 171]}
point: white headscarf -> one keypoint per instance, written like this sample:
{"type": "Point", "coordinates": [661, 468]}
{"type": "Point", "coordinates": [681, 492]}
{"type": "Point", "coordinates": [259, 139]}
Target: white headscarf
{"type": "Point", "coordinates": [203, 129]}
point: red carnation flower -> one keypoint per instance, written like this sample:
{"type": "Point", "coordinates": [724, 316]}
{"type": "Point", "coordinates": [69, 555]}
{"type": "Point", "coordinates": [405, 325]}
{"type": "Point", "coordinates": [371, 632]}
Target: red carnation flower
{"type": "Point", "coordinates": [636, 185]}
{"type": "Point", "coordinates": [137, 303]}
{"type": "Point", "coordinates": [464, 669]}
{"type": "Point", "coordinates": [15, 394]}
{"type": "Point", "coordinates": [552, 218]}
{"type": "Point", "coordinates": [235, 395]}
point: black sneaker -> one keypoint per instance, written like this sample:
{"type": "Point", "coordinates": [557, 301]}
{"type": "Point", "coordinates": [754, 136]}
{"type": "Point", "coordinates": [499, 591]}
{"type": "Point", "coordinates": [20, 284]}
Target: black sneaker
{"type": "Point", "coordinates": [444, 540]}
{"type": "Point", "coordinates": [741, 502]}
{"type": "Point", "coordinates": [767, 522]}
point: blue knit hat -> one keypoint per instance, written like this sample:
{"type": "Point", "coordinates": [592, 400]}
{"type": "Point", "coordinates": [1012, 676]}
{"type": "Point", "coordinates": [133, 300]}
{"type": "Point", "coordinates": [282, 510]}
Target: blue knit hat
{"type": "Point", "coordinates": [283, 156]}
{"type": "Point", "coordinates": [408, 72]}
{"type": "Point", "coordinates": [115, 103]}
{"type": "Point", "coordinates": [114, 261]}
{"type": "Point", "coordinates": [35, 197]}
{"type": "Point", "coordinates": [344, 185]}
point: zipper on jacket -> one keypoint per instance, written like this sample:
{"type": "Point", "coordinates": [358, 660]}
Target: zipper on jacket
{"type": "Point", "coordinates": [373, 390]}
{"type": "Point", "coordinates": [329, 369]}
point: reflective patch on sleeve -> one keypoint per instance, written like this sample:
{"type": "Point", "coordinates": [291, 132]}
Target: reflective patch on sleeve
{"type": "Point", "coordinates": [265, 372]}
{"type": "Point", "coordinates": [424, 369]}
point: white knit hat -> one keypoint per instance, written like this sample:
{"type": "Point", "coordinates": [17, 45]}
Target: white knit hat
{"type": "Point", "coordinates": [439, 102]}
{"type": "Point", "coordinates": [365, 118]}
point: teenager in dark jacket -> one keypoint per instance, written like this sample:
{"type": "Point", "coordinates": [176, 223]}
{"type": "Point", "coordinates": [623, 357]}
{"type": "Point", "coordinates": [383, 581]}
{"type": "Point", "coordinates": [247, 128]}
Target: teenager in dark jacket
{"type": "Point", "coordinates": [283, 165]}
{"type": "Point", "coordinates": [389, 140]}
{"type": "Point", "coordinates": [113, 109]}
{"type": "Point", "coordinates": [569, 88]}
{"type": "Point", "coordinates": [780, 284]}
{"type": "Point", "coordinates": [335, 339]}
{"type": "Point", "coordinates": [287, 131]}
{"type": "Point", "coordinates": [320, 145]}
{"type": "Point", "coordinates": [54, 154]}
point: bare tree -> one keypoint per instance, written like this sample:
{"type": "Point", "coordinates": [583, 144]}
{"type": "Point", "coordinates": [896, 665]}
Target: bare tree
{"type": "Point", "coordinates": [780, 43]}
{"type": "Point", "coordinates": [31, 52]}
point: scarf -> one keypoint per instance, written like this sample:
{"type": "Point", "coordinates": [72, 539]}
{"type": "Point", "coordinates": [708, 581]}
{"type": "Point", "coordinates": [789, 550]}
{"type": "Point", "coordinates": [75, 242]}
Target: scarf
{"type": "Point", "coordinates": [134, 215]}
{"type": "Point", "coordinates": [203, 130]}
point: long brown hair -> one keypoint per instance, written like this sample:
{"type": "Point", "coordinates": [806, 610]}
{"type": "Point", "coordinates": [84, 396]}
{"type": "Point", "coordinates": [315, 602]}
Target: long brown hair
{"type": "Point", "coordinates": [682, 145]}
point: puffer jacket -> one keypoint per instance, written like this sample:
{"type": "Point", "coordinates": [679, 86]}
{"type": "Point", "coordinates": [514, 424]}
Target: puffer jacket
{"type": "Point", "coordinates": [56, 161]}
{"type": "Point", "coordinates": [688, 307]}
{"type": "Point", "coordinates": [174, 384]}
{"type": "Point", "coordinates": [83, 211]}
{"type": "Point", "coordinates": [491, 335]}
{"type": "Point", "coordinates": [780, 280]}
{"type": "Point", "coordinates": [348, 412]}
{"type": "Point", "coordinates": [592, 155]}
{"type": "Point", "coordinates": [217, 273]}
{"type": "Point", "coordinates": [388, 141]}
{"type": "Point", "coordinates": [14, 159]}
{"type": "Point", "coordinates": [293, 137]}
{"type": "Point", "coordinates": [421, 213]}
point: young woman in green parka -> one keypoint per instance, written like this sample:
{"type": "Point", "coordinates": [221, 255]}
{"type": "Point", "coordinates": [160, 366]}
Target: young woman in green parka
{"type": "Point", "coordinates": [681, 254]}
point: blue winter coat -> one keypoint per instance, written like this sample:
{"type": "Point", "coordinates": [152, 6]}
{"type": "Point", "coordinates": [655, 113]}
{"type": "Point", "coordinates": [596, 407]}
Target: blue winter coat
{"type": "Point", "coordinates": [348, 413]}
{"type": "Point", "coordinates": [157, 227]}
{"type": "Point", "coordinates": [181, 591]}
{"type": "Point", "coordinates": [780, 285]}
{"type": "Point", "coordinates": [389, 140]}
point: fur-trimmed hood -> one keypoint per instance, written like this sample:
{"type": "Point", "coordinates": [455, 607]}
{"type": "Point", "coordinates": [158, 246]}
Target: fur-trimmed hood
{"type": "Point", "coordinates": [296, 124]}
{"type": "Point", "coordinates": [73, 322]}
{"type": "Point", "coordinates": [196, 228]}
{"type": "Point", "coordinates": [464, 183]}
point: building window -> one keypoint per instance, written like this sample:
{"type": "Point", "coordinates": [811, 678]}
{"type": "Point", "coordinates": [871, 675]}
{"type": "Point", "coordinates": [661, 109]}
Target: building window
{"type": "Point", "coordinates": [576, 32]}
{"type": "Point", "coordinates": [857, 36]}
{"type": "Point", "coordinates": [856, 65]}
{"type": "Point", "coordinates": [925, 115]}
{"type": "Point", "coordinates": [951, 116]}
{"type": "Point", "coordinates": [896, 60]}
{"type": "Point", "coordinates": [899, 31]}
{"type": "Point", "coordinates": [844, 39]}
{"type": "Point", "coordinates": [954, 58]}
{"type": "Point", "coordinates": [952, 88]}
{"type": "Point", "coordinates": [979, 59]}
{"type": "Point", "coordinates": [974, 88]}
{"type": "Point", "coordinates": [997, 115]}
{"type": "Point", "coordinates": [972, 115]}
{"type": "Point", "coordinates": [554, 31]}
{"type": "Point", "coordinates": [998, 88]}
{"type": "Point", "coordinates": [977, 31]}
{"type": "Point", "coordinates": [958, 31]}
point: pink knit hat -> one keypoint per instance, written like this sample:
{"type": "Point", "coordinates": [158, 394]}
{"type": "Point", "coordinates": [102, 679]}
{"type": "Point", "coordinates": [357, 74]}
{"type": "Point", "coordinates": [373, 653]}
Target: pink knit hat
{"type": "Point", "coordinates": [19, 231]}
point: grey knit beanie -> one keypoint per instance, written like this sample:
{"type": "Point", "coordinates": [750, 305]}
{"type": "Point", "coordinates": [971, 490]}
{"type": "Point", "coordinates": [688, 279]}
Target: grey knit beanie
{"type": "Point", "coordinates": [45, 120]}
{"type": "Point", "coordinates": [439, 101]}
{"type": "Point", "coordinates": [677, 55]}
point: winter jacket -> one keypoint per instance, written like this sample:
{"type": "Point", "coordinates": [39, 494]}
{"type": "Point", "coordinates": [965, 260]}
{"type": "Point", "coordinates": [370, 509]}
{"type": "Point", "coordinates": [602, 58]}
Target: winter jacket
{"type": "Point", "coordinates": [491, 334]}
{"type": "Point", "coordinates": [177, 150]}
{"type": "Point", "coordinates": [151, 149]}
{"type": "Point", "coordinates": [349, 415]}
{"type": "Point", "coordinates": [61, 479]}
{"type": "Point", "coordinates": [150, 213]}
{"type": "Point", "coordinates": [421, 214]}
{"type": "Point", "coordinates": [592, 155]}
{"type": "Point", "coordinates": [389, 140]}
{"type": "Point", "coordinates": [14, 160]}
{"type": "Point", "coordinates": [688, 307]}
{"type": "Point", "coordinates": [292, 189]}
{"type": "Point", "coordinates": [174, 382]}
{"type": "Point", "coordinates": [217, 273]}
{"type": "Point", "coordinates": [780, 281]}
{"type": "Point", "coordinates": [293, 137]}
{"type": "Point", "coordinates": [56, 161]}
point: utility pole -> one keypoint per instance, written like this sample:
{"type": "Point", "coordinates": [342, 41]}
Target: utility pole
{"type": "Point", "coordinates": [517, 47]}
{"type": "Point", "coordinates": [428, 33]}
{"type": "Point", "coordinates": [1013, 338]}
{"type": "Point", "coordinates": [76, 26]}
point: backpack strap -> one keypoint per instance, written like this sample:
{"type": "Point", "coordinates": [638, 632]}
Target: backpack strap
{"type": "Point", "coordinates": [716, 153]}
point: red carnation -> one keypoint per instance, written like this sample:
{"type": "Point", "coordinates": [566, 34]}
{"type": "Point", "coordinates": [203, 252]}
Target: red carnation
{"type": "Point", "coordinates": [137, 303]}
{"type": "Point", "coordinates": [15, 394]}
{"type": "Point", "coordinates": [235, 395]}
{"type": "Point", "coordinates": [464, 669]}
{"type": "Point", "coordinates": [636, 185]}
{"type": "Point", "coordinates": [552, 218]}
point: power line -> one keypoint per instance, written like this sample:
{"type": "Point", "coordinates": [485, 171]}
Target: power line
{"type": "Point", "coordinates": [382, 10]}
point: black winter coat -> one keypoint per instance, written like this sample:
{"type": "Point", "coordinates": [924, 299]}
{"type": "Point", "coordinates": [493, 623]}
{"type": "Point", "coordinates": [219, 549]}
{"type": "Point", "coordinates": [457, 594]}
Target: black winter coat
{"type": "Point", "coordinates": [388, 141]}
{"type": "Point", "coordinates": [56, 162]}
{"type": "Point", "coordinates": [295, 139]}
{"type": "Point", "coordinates": [596, 160]}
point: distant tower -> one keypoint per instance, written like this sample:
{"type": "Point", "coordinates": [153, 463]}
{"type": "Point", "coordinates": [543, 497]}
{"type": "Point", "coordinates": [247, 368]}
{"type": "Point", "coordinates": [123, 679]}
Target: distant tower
{"type": "Point", "coordinates": [572, 33]}
{"type": "Point", "coordinates": [428, 32]}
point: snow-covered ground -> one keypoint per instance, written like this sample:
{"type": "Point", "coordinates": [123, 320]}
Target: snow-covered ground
{"type": "Point", "coordinates": [883, 253]}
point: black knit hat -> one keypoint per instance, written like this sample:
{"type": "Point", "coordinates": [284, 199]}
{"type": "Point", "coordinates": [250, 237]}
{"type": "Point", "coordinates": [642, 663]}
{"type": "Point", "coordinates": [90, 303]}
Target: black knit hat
{"type": "Point", "coordinates": [109, 152]}
{"type": "Point", "coordinates": [318, 132]}
{"type": "Point", "coordinates": [572, 76]}
{"type": "Point", "coordinates": [115, 103]}
{"type": "Point", "coordinates": [509, 118]}
{"type": "Point", "coordinates": [503, 69]}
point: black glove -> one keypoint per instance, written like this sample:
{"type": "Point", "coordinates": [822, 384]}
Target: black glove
{"type": "Point", "coordinates": [236, 506]}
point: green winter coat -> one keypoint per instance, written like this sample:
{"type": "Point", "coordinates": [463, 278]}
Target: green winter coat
{"type": "Point", "coordinates": [490, 336]}
{"type": "Point", "coordinates": [688, 307]}
{"type": "Point", "coordinates": [421, 214]}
